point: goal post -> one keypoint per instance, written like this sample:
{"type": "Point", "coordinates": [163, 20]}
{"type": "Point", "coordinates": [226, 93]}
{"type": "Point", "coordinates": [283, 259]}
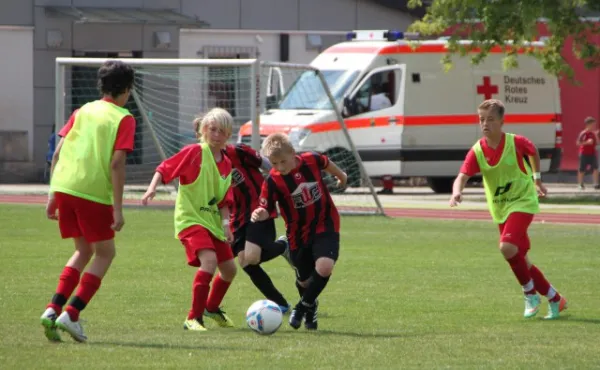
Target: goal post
{"type": "Point", "coordinates": [169, 93]}
{"type": "Point", "coordinates": [315, 97]}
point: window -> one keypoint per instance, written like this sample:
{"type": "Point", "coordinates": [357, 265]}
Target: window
{"type": "Point", "coordinates": [378, 92]}
{"type": "Point", "coordinates": [307, 91]}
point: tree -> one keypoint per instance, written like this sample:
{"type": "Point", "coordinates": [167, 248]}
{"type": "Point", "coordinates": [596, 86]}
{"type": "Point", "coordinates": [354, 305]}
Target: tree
{"type": "Point", "coordinates": [511, 24]}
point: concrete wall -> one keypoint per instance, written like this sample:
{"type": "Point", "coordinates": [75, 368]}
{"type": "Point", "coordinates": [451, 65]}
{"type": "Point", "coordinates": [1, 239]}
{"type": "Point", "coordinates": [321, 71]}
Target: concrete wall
{"type": "Point", "coordinates": [326, 15]}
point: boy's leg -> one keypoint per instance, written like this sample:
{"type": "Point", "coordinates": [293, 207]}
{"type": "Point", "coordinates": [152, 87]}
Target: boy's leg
{"type": "Point", "coordinates": [221, 284]}
{"type": "Point", "coordinates": [581, 172]}
{"type": "Point", "coordinates": [89, 285]}
{"type": "Point", "coordinates": [556, 302]}
{"type": "Point", "coordinates": [258, 235]}
{"type": "Point", "coordinates": [325, 252]}
{"type": "Point", "coordinates": [95, 222]}
{"type": "Point", "coordinates": [594, 165]}
{"type": "Point", "coordinates": [514, 245]}
{"type": "Point", "coordinates": [261, 245]}
{"type": "Point", "coordinates": [69, 278]}
{"type": "Point", "coordinates": [304, 266]}
{"type": "Point", "coordinates": [200, 253]}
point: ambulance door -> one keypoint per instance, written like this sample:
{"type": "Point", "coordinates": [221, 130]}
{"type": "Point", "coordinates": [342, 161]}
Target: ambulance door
{"type": "Point", "coordinates": [374, 110]}
{"type": "Point", "coordinates": [275, 87]}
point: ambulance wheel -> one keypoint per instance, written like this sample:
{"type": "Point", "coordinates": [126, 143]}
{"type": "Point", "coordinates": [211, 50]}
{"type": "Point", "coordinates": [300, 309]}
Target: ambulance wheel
{"type": "Point", "coordinates": [345, 160]}
{"type": "Point", "coordinates": [440, 185]}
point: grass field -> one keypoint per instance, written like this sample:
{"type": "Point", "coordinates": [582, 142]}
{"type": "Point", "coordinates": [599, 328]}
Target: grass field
{"type": "Point", "coordinates": [405, 294]}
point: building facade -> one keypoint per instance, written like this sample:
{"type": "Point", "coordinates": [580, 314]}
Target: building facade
{"type": "Point", "coordinates": [33, 33]}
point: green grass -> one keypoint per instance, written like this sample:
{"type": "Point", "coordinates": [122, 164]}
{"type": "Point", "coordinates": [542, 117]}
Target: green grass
{"type": "Point", "coordinates": [405, 294]}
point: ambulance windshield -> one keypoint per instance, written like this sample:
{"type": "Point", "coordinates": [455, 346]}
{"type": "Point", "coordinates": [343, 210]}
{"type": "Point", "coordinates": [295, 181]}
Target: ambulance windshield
{"type": "Point", "coordinates": [307, 91]}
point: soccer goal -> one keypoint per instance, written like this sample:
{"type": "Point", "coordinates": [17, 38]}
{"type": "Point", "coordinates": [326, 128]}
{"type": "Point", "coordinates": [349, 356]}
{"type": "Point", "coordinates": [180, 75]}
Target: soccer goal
{"type": "Point", "coordinates": [169, 93]}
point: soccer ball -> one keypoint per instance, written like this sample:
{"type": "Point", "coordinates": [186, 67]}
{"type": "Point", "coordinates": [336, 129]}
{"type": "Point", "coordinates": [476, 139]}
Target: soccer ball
{"type": "Point", "coordinates": [264, 317]}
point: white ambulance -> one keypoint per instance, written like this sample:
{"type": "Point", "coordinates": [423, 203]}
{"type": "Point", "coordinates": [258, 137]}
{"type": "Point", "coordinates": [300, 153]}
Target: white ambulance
{"type": "Point", "coordinates": [406, 116]}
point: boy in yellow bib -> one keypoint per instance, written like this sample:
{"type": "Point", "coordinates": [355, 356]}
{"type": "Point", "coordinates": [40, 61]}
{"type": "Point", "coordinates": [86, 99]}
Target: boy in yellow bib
{"type": "Point", "coordinates": [512, 199]}
{"type": "Point", "coordinates": [202, 214]}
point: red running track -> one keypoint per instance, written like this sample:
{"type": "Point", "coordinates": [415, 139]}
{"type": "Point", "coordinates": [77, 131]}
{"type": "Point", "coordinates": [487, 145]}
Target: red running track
{"type": "Point", "coordinates": [445, 214]}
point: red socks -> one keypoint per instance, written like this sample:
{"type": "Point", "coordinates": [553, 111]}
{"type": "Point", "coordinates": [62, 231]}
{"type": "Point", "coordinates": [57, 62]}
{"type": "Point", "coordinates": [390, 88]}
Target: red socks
{"type": "Point", "coordinates": [67, 282]}
{"type": "Point", "coordinates": [518, 264]}
{"type": "Point", "coordinates": [87, 289]}
{"type": "Point", "coordinates": [217, 293]}
{"type": "Point", "coordinates": [200, 291]}
{"type": "Point", "coordinates": [542, 285]}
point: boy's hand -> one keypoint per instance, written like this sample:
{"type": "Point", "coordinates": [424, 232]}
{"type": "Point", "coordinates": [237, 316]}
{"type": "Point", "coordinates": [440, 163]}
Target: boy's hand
{"type": "Point", "coordinates": [455, 199]}
{"type": "Point", "coordinates": [541, 189]}
{"type": "Point", "coordinates": [228, 234]}
{"type": "Point", "coordinates": [259, 214]}
{"type": "Point", "coordinates": [342, 181]}
{"type": "Point", "coordinates": [148, 196]}
{"type": "Point", "coordinates": [118, 220]}
{"type": "Point", "coordinates": [51, 208]}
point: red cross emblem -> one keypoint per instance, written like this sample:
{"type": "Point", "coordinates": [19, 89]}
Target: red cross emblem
{"type": "Point", "coordinates": [487, 89]}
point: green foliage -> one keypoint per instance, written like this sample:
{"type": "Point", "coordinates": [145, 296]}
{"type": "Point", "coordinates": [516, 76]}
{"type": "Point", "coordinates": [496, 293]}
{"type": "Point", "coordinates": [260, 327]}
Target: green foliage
{"type": "Point", "coordinates": [511, 25]}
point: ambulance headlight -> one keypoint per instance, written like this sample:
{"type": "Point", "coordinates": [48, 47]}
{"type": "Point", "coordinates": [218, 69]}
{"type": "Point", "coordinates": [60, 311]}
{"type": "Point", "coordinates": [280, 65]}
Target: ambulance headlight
{"type": "Point", "coordinates": [297, 136]}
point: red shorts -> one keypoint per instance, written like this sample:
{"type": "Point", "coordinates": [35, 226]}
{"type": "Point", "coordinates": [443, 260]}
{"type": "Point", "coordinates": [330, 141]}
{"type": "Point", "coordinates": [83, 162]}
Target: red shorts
{"type": "Point", "coordinates": [514, 230]}
{"type": "Point", "coordinates": [78, 217]}
{"type": "Point", "coordinates": [196, 238]}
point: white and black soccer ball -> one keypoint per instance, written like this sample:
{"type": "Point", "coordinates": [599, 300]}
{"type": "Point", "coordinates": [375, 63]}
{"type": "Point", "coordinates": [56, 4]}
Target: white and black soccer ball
{"type": "Point", "coordinates": [264, 317]}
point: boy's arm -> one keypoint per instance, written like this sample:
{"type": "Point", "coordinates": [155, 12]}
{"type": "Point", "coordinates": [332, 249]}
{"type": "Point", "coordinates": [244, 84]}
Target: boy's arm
{"type": "Point", "coordinates": [266, 202]}
{"type": "Point", "coordinates": [55, 156]}
{"type": "Point", "coordinates": [334, 170]}
{"type": "Point", "coordinates": [470, 167]}
{"type": "Point", "coordinates": [117, 168]}
{"type": "Point", "coordinates": [528, 148]}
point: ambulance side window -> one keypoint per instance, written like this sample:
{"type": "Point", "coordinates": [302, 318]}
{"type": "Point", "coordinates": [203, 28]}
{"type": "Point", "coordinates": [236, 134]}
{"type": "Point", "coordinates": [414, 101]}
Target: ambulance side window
{"type": "Point", "coordinates": [377, 93]}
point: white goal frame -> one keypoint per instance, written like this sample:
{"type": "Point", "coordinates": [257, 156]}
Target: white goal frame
{"type": "Point", "coordinates": [255, 66]}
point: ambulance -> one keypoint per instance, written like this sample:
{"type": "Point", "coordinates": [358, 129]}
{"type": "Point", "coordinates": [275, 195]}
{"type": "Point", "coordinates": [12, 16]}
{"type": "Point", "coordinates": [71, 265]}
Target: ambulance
{"type": "Point", "coordinates": [405, 115]}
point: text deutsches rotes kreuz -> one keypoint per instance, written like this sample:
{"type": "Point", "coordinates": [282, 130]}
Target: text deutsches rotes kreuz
{"type": "Point", "coordinates": [515, 88]}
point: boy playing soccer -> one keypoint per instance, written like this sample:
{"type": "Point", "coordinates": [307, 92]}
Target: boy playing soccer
{"type": "Point", "coordinates": [253, 242]}
{"type": "Point", "coordinates": [512, 198]}
{"type": "Point", "coordinates": [202, 214]}
{"type": "Point", "coordinates": [311, 219]}
{"type": "Point", "coordinates": [86, 188]}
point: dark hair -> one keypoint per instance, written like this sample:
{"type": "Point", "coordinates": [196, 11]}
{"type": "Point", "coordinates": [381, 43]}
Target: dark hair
{"type": "Point", "coordinates": [589, 120]}
{"type": "Point", "coordinates": [114, 77]}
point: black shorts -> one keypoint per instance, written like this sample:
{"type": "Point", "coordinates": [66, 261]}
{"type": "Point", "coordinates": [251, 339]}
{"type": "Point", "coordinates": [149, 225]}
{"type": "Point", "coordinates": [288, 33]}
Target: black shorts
{"type": "Point", "coordinates": [258, 233]}
{"type": "Point", "coordinates": [323, 245]}
{"type": "Point", "coordinates": [588, 160]}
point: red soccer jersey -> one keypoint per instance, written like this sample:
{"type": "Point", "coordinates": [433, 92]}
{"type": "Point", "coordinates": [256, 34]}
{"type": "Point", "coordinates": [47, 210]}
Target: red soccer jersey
{"type": "Point", "coordinates": [186, 164]}
{"type": "Point", "coordinates": [588, 149]}
{"type": "Point", "coordinates": [524, 147]}
{"type": "Point", "coordinates": [304, 201]}
{"type": "Point", "coordinates": [125, 134]}
{"type": "Point", "coordinates": [246, 181]}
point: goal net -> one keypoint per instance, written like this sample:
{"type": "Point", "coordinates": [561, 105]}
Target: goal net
{"type": "Point", "coordinates": [169, 93]}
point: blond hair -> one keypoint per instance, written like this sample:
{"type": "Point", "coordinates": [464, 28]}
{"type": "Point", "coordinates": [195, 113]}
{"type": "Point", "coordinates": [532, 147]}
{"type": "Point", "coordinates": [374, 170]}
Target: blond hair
{"type": "Point", "coordinates": [276, 145]}
{"type": "Point", "coordinates": [217, 116]}
{"type": "Point", "coordinates": [494, 104]}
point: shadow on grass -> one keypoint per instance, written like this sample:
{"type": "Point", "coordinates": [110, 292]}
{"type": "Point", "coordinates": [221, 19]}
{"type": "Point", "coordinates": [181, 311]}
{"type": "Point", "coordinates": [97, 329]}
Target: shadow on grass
{"type": "Point", "coordinates": [173, 346]}
{"type": "Point", "coordinates": [348, 334]}
{"type": "Point", "coordinates": [579, 319]}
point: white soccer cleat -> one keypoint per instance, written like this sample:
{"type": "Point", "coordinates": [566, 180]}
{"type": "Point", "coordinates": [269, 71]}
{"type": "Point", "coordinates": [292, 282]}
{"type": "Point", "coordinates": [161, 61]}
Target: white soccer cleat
{"type": "Point", "coordinates": [74, 328]}
{"type": "Point", "coordinates": [532, 305]}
